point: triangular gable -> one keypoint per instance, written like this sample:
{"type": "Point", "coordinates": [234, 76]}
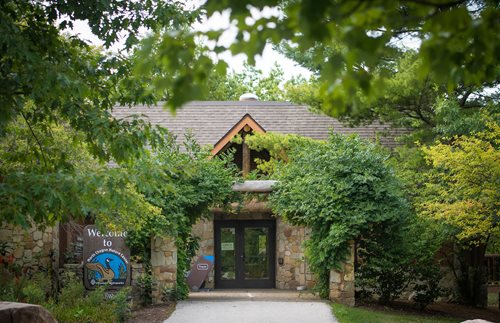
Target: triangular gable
{"type": "Point", "coordinates": [247, 120]}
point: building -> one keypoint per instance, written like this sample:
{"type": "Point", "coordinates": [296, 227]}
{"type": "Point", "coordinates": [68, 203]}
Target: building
{"type": "Point", "coordinates": [253, 248]}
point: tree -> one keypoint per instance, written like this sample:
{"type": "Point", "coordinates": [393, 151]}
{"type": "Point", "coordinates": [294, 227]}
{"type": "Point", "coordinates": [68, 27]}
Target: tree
{"type": "Point", "coordinates": [463, 192]}
{"type": "Point", "coordinates": [458, 42]}
{"type": "Point", "coordinates": [68, 81]}
{"type": "Point", "coordinates": [56, 96]}
{"type": "Point", "coordinates": [272, 87]}
{"type": "Point", "coordinates": [63, 181]}
{"type": "Point", "coordinates": [183, 185]}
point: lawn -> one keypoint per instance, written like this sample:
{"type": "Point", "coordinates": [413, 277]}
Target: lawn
{"type": "Point", "coordinates": [345, 314]}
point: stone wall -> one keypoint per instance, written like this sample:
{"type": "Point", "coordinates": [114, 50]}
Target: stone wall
{"type": "Point", "coordinates": [163, 266]}
{"type": "Point", "coordinates": [33, 246]}
{"type": "Point", "coordinates": [293, 271]}
{"type": "Point", "coordinates": [342, 282]}
{"type": "Point", "coordinates": [204, 229]}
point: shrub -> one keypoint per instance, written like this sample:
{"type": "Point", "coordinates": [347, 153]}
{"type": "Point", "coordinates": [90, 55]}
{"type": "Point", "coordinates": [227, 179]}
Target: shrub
{"type": "Point", "coordinates": [428, 290]}
{"type": "Point", "coordinates": [145, 286]}
{"type": "Point", "coordinates": [75, 306]}
{"type": "Point", "coordinates": [344, 191]}
{"type": "Point", "coordinates": [405, 261]}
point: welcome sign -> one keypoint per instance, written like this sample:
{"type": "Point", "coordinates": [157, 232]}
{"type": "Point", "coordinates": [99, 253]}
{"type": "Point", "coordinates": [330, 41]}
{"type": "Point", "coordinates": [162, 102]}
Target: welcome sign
{"type": "Point", "coordinates": [106, 259]}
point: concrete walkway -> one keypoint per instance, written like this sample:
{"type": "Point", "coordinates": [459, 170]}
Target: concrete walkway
{"type": "Point", "coordinates": [248, 306]}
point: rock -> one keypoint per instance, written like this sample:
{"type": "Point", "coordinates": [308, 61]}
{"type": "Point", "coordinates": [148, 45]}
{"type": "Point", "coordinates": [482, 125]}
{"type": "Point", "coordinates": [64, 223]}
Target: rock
{"type": "Point", "coordinates": [37, 235]}
{"type": "Point", "coordinates": [18, 252]}
{"type": "Point", "coordinates": [28, 254]}
{"type": "Point", "coordinates": [11, 312]}
{"type": "Point", "coordinates": [335, 277]}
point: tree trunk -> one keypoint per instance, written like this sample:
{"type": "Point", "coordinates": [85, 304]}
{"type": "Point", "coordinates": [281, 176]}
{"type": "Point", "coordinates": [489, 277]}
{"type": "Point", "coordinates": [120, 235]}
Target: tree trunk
{"type": "Point", "coordinates": [473, 279]}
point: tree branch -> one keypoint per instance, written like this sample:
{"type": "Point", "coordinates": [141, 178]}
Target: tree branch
{"type": "Point", "coordinates": [36, 139]}
{"type": "Point", "coordinates": [438, 5]}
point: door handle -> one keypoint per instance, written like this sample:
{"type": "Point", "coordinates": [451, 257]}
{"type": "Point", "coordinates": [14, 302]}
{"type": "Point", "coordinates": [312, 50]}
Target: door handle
{"type": "Point", "coordinates": [243, 256]}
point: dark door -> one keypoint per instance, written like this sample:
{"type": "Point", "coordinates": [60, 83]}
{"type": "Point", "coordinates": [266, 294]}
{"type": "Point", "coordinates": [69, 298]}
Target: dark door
{"type": "Point", "coordinates": [245, 254]}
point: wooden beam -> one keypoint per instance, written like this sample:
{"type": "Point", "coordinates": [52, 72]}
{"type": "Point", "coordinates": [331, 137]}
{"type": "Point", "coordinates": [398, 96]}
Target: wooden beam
{"type": "Point", "coordinates": [252, 206]}
{"type": "Point", "coordinates": [254, 186]}
{"type": "Point", "coordinates": [246, 161]}
{"type": "Point", "coordinates": [247, 120]}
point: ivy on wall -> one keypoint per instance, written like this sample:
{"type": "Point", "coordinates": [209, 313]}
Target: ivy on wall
{"type": "Point", "coordinates": [183, 183]}
{"type": "Point", "coordinates": [344, 191]}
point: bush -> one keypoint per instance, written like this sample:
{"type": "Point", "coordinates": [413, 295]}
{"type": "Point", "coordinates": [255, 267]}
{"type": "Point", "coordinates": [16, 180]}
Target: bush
{"type": "Point", "coordinates": [145, 286]}
{"type": "Point", "coordinates": [75, 306]}
{"type": "Point", "coordinates": [428, 290]}
{"type": "Point", "coordinates": [388, 267]}
{"type": "Point", "coordinates": [344, 191]}
{"type": "Point", "coordinates": [72, 304]}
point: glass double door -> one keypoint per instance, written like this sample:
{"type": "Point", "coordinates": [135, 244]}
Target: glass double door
{"type": "Point", "coordinates": [245, 254]}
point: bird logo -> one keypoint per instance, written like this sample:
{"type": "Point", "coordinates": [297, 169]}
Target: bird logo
{"type": "Point", "coordinates": [106, 268]}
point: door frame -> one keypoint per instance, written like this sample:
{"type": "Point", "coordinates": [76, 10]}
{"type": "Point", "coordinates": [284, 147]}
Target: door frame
{"type": "Point", "coordinates": [239, 281]}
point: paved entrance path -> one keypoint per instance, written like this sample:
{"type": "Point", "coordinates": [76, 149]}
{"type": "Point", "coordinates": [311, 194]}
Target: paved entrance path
{"type": "Point", "coordinates": [260, 306]}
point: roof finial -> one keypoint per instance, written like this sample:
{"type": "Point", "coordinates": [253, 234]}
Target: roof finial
{"type": "Point", "coordinates": [249, 97]}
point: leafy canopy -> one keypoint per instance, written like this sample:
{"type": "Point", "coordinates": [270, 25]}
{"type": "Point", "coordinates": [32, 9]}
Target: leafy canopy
{"type": "Point", "coordinates": [465, 184]}
{"type": "Point", "coordinates": [62, 180]}
{"type": "Point", "coordinates": [459, 43]}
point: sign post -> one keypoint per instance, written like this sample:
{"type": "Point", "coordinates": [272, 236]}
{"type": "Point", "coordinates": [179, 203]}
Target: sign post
{"type": "Point", "coordinates": [106, 259]}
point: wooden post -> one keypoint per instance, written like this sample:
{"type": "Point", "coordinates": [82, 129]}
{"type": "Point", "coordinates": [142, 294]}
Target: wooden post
{"type": "Point", "coordinates": [246, 159]}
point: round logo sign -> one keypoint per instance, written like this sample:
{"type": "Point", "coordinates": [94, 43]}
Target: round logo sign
{"type": "Point", "coordinates": [107, 268]}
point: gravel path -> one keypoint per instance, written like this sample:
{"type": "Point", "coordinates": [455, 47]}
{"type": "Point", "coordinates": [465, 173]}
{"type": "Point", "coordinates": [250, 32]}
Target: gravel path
{"type": "Point", "coordinates": [251, 311]}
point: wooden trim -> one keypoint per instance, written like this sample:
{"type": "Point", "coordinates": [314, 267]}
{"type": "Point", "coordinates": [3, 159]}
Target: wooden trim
{"type": "Point", "coordinates": [247, 120]}
{"type": "Point", "coordinates": [246, 159]}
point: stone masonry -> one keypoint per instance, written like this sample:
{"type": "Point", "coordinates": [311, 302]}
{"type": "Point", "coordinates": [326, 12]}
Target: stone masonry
{"type": "Point", "coordinates": [32, 246]}
{"type": "Point", "coordinates": [204, 229]}
{"type": "Point", "coordinates": [163, 266]}
{"type": "Point", "coordinates": [294, 271]}
{"type": "Point", "coordinates": [342, 282]}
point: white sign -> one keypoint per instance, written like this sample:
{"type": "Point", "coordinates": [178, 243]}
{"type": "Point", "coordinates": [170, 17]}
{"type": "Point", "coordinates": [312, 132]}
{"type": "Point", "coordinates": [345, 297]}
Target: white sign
{"type": "Point", "coordinates": [227, 246]}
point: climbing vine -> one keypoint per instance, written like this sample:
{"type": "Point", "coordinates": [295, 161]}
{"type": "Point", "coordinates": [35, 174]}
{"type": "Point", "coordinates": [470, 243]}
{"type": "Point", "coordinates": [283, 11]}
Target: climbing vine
{"type": "Point", "coordinates": [345, 192]}
{"type": "Point", "coordinates": [184, 184]}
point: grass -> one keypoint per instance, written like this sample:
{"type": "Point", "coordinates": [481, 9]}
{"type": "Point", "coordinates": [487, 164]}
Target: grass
{"type": "Point", "coordinates": [345, 314]}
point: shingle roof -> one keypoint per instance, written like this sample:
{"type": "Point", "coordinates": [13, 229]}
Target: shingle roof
{"type": "Point", "coordinates": [209, 121]}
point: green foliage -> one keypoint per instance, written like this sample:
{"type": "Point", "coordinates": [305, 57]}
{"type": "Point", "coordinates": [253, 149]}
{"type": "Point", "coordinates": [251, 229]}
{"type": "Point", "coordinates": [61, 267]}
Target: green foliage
{"type": "Point", "coordinates": [74, 306]}
{"type": "Point", "coordinates": [345, 192]}
{"type": "Point", "coordinates": [404, 259]}
{"type": "Point", "coordinates": [187, 245]}
{"type": "Point", "coordinates": [62, 179]}
{"type": "Point", "coordinates": [463, 189]}
{"type": "Point", "coordinates": [145, 286]}
{"type": "Point", "coordinates": [271, 87]}
{"type": "Point", "coordinates": [352, 40]}
{"type": "Point", "coordinates": [56, 127]}
{"type": "Point", "coordinates": [279, 147]}
{"type": "Point", "coordinates": [66, 81]}
{"type": "Point", "coordinates": [37, 288]}
{"type": "Point", "coordinates": [183, 184]}
{"type": "Point", "coordinates": [452, 184]}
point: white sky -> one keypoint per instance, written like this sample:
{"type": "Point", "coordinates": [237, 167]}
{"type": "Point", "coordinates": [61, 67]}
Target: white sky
{"type": "Point", "coordinates": [220, 21]}
{"type": "Point", "coordinates": [266, 62]}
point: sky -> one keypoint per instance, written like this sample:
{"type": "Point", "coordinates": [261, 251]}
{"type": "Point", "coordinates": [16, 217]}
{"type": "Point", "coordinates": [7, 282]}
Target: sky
{"type": "Point", "coordinates": [265, 62]}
